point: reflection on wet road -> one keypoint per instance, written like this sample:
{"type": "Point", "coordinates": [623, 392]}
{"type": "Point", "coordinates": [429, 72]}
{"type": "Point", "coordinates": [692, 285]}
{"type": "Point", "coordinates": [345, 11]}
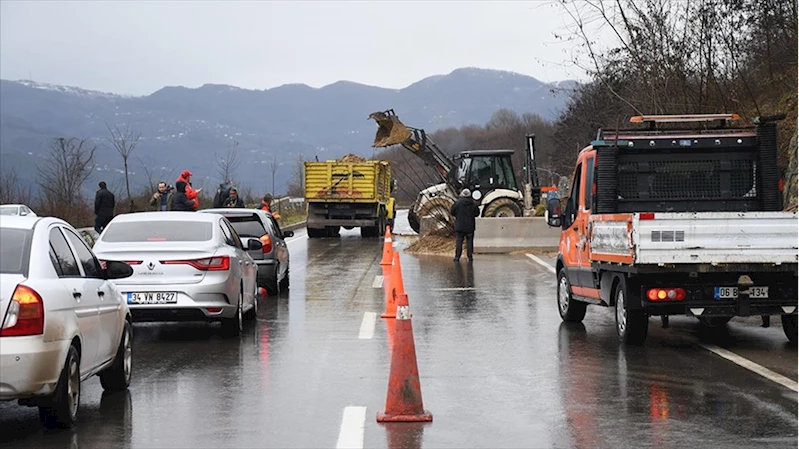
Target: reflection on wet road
{"type": "Point", "coordinates": [498, 369]}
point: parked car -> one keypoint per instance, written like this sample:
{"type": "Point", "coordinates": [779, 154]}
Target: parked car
{"type": "Point", "coordinates": [273, 258]}
{"type": "Point", "coordinates": [186, 267]}
{"type": "Point", "coordinates": [16, 209]}
{"type": "Point", "coordinates": [63, 320]}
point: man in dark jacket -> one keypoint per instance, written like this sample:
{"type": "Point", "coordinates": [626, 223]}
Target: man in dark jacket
{"type": "Point", "coordinates": [181, 202]}
{"type": "Point", "coordinates": [464, 210]}
{"type": "Point", "coordinates": [233, 200]}
{"type": "Point", "coordinates": [104, 203]}
{"type": "Point", "coordinates": [222, 194]}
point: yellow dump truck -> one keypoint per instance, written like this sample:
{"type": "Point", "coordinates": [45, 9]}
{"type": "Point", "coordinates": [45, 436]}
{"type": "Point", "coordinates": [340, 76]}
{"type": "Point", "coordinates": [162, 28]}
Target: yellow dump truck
{"type": "Point", "coordinates": [348, 193]}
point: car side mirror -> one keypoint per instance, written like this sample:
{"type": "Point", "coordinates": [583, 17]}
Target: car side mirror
{"type": "Point", "coordinates": [553, 212]}
{"type": "Point", "coordinates": [23, 213]}
{"type": "Point", "coordinates": [287, 234]}
{"type": "Point", "coordinates": [254, 245]}
{"type": "Point", "coordinates": [115, 269]}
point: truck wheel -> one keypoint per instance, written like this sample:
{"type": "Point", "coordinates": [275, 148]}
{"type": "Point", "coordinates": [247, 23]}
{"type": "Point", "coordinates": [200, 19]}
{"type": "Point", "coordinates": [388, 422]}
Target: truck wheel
{"type": "Point", "coordinates": [570, 309]}
{"type": "Point", "coordinates": [333, 231]}
{"type": "Point", "coordinates": [632, 326]}
{"type": "Point", "coordinates": [413, 220]}
{"type": "Point", "coordinates": [502, 207]}
{"type": "Point", "coordinates": [789, 327]}
{"type": "Point", "coordinates": [712, 322]}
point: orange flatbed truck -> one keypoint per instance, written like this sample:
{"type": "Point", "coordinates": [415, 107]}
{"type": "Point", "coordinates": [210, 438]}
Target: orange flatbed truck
{"type": "Point", "coordinates": [680, 216]}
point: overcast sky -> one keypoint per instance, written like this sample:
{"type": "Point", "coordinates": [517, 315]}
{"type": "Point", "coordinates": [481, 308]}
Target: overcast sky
{"type": "Point", "coordinates": [137, 47]}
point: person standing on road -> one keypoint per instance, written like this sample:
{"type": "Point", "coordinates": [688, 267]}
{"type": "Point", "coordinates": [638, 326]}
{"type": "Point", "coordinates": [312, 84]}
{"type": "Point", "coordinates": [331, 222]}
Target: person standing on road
{"type": "Point", "coordinates": [104, 203]}
{"type": "Point", "coordinates": [162, 198]}
{"type": "Point", "coordinates": [191, 194]}
{"type": "Point", "coordinates": [266, 205]}
{"type": "Point", "coordinates": [222, 194]}
{"type": "Point", "coordinates": [180, 201]}
{"type": "Point", "coordinates": [464, 210]}
{"type": "Point", "coordinates": [233, 199]}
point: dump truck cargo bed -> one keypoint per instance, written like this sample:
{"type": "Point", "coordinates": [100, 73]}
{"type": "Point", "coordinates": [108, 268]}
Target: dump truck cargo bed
{"type": "Point", "coordinates": [359, 182]}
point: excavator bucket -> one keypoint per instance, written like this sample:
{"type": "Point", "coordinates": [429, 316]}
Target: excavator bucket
{"type": "Point", "coordinates": [390, 130]}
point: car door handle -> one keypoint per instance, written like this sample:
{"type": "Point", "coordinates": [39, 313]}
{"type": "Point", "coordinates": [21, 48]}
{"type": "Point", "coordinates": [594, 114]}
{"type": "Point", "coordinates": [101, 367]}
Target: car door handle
{"type": "Point", "coordinates": [76, 294]}
{"type": "Point", "coordinates": [100, 293]}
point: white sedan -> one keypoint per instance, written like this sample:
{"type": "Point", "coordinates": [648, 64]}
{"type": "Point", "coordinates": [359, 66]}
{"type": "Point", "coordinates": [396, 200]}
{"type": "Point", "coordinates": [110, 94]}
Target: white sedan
{"type": "Point", "coordinates": [61, 318]}
{"type": "Point", "coordinates": [16, 209]}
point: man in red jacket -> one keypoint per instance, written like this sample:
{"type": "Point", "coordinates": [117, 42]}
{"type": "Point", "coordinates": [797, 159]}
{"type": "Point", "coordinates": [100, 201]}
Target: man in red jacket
{"type": "Point", "coordinates": [191, 194]}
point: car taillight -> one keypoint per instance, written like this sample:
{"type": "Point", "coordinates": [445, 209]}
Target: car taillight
{"type": "Point", "coordinates": [646, 216]}
{"type": "Point", "coordinates": [25, 314]}
{"type": "Point", "coordinates": [666, 294]}
{"type": "Point", "coordinates": [267, 242]}
{"type": "Point", "coordinates": [217, 263]}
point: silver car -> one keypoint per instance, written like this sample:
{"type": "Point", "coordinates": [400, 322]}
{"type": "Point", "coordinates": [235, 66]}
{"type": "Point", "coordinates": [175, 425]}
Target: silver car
{"type": "Point", "coordinates": [273, 258]}
{"type": "Point", "coordinates": [61, 318]}
{"type": "Point", "coordinates": [186, 267]}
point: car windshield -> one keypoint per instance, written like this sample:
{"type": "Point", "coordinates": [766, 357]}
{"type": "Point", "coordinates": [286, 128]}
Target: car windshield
{"type": "Point", "coordinates": [247, 226]}
{"type": "Point", "coordinates": [158, 231]}
{"type": "Point", "coordinates": [14, 250]}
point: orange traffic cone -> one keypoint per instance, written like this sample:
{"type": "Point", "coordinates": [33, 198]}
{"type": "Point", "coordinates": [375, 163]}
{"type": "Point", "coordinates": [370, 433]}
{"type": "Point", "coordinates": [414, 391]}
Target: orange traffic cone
{"type": "Point", "coordinates": [395, 288]}
{"type": "Point", "coordinates": [388, 248]}
{"type": "Point", "coordinates": [404, 398]}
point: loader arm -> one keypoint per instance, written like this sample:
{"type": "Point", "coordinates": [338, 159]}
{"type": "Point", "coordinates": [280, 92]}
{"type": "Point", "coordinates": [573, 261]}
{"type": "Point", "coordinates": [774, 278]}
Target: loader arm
{"type": "Point", "coordinates": [391, 131]}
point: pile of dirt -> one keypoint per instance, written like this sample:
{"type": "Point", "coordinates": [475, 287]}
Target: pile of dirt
{"type": "Point", "coordinates": [439, 242]}
{"type": "Point", "coordinates": [354, 158]}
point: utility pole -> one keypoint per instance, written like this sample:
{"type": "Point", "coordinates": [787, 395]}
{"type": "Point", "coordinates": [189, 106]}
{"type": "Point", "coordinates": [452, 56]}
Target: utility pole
{"type": "Point", "coordinates": [531, 175]}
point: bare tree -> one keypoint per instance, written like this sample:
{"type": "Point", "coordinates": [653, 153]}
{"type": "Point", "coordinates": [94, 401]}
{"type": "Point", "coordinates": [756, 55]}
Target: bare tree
{"type": "Point", "coordinates": [62, 175]}
{"type": "Point", "coordinates": [12, 189]}
{"type": "Point", "coordinates": [273, 170]}
{"type": "Point", "coordinates": [124, 140]}
{"type": "Point", "coordinates": [296, 187]}
{"type": "Point", "coordinates": [226, 166]}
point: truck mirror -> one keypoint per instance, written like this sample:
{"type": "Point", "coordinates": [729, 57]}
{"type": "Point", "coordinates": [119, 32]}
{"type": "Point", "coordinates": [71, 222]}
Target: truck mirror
{"type": "Point", "coordinates": [553, 213]}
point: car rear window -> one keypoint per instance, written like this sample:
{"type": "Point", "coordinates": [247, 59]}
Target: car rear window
{"type": "Point", "coordinates": [158, 231]}
{"type": "Point", "coordinates": [14, 250]}
{"type": "Point", "coordinates": [247, 226]}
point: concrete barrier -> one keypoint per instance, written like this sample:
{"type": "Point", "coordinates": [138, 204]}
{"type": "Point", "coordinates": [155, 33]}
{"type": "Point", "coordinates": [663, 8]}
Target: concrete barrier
{"type": "Point", "coordinates": [505, 235]}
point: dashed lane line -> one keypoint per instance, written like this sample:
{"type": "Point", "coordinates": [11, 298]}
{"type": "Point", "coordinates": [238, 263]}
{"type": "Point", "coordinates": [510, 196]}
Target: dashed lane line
{"type": "Point", "coordinates": [541, 262]}
{"type": "Point", "coordinates": [367, 326]}
{"type": "Point", "coordinates": [721, 352]}
{"type": "Point", "coordinates": [350, 436]}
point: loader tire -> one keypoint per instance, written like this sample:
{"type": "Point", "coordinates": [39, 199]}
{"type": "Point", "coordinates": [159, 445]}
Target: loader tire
{"type": "Point", "coordinates": [502, 207]}
{"type": "Point", "coordinates": [438, 208]}
{"type": "Point", "coordinates": [413, 220]}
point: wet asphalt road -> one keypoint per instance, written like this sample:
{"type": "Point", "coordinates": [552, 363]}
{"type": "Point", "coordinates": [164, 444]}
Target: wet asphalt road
{"type": "Point", "coordinates": [498, 369]}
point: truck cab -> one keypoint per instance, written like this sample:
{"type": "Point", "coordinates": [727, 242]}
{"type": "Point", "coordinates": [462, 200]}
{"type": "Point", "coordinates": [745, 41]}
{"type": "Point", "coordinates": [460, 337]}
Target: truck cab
{"type": "Point", "coordinates": [677, 220]}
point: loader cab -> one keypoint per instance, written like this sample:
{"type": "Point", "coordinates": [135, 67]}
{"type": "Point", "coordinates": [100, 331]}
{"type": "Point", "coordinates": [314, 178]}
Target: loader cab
{"type": "Point", "coordinates": [484, 171]}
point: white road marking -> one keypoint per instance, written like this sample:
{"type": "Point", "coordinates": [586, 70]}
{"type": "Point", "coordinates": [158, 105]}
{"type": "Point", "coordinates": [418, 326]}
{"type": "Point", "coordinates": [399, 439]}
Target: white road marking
{"type": "Point", "coordinates": [367, 326]}
{"type": "Point", "coordinates": [378, 283]}
{"type": "Point", "coordinates": [541, 262]}
{"type": "Point", "coordinates": [732, 357]}
{"type": "Point", "coordinates": [350, 436]}
{"type": "Point", "coordinates": [751, 366]}
{"type": "Point", "coordinates": [454, 289]}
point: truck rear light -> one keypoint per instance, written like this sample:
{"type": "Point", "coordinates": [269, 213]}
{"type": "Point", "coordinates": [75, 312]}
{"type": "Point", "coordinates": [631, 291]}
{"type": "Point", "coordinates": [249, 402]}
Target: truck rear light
{"type": "Point", "coordinates": [666, 294]}
{"type": "Point", "coordinates": [646, 216]}
{"type": "Point", "coordinates": [217, 263]}
{"type": "Point", "coordinates": [25, 314]}
{"type": "Point", "coordinates": [266, 240]}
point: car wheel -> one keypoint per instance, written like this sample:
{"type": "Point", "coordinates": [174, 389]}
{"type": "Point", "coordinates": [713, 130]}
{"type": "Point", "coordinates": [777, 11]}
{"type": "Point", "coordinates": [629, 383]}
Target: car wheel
{"type": "Point", "coordinates": [117, 376]}
{"type": "Point", "coordinates": [632, 326]}
{"type": "Point", "coordinates": [235, 325]}
{"type": "Point", "coordinates": [284, 283]}
{"type": "Point", "coordinates": [789, 327]}
{"type": "Point", "coordinates": [62, 412]}
{"type": "Point", "coordinates": [272, 285]}
{"type": "Point", "coordinates": [252, 314]}
{"type": "Point", "coordinates": [570, 309]}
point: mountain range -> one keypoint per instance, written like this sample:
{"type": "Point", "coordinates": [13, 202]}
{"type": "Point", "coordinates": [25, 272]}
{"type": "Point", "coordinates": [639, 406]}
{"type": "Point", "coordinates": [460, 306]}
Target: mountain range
{"type": "Point", "coordinates": [190, 128]}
